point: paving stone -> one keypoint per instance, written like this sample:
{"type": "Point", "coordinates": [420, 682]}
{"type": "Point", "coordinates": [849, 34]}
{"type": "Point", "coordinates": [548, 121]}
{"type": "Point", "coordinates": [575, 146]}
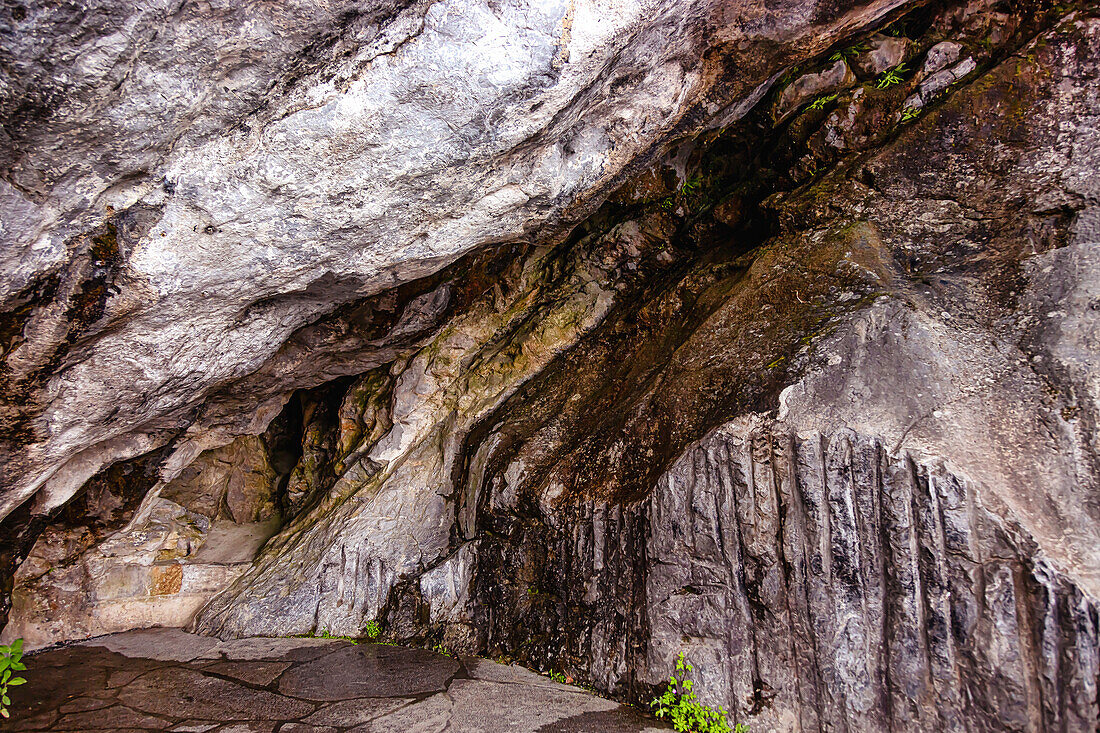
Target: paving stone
{"type": "Point", "coordinates": [181, 693]}
{"type": "Point", "coordinates": [173, 645]}
{"type": "Point", "coordinates": [111, 718]}
{"type": "Point", "coordinates": [361, 688]}
{"type": "Point", "coordinates": [34, 722]}
{"type": "Point", "coordinates": [483, 669]}
{"type": "Point", "coordinates": [477, 706]}
{"type": "Point", "coordinates": [620, 720]}
{"type": "Point", "coordinates": [369, 670]}
{"type": "Point", "coordinates": [47, 688]}
{"type": "Point", "coordinates": [253, 727]}
{"type": "Point", "coordinates": [274, 647]}
{"type": "Point", "coordinates": [113, 730]}
{"type": "Point", "coordinates": [356, 712]}
{"type": "Point", "coordinates": [82, 704]}
{"type": "Point", "coordinates": [256, 673]}
{"type": "Point", "coordinates": [122, 677]}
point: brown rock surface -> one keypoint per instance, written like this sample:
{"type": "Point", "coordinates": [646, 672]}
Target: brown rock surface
{"type": "Point", "coordinates": [180, 690]}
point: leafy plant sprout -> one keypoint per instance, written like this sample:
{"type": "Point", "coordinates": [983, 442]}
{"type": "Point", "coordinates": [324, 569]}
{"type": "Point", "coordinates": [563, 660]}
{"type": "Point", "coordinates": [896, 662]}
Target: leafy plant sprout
{"type": "Point", "coordinates": [682, 708]}
{"type": "Point", "coordinates": [891, 77]}
{"type": "Point", "coordinates": [849, 52]}
{"type": "Point", "coordinates": [372, 630]}
{"type": "Point", "coordinates": [690, 186]}
{"type": "Point", "coordinates": [440, 648]}
{"type": "Point", "coordinates": [897, 30]}
{"type": "Point", "coordinates": [326, 634]}
{"type": "Point", "coordinates": [11, 660]}
{"type": "Point", "coordinates": [910, 113]}
{"type": "Point", "coordinates": [823, 100]}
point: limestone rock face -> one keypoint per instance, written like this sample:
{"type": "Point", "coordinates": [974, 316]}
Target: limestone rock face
{"type": "Point", "coordinates": [185, 186]}
{"type": "Point", "coordinates": [585, 335]}
{"type": "Point", "coordinates": [127, 564]}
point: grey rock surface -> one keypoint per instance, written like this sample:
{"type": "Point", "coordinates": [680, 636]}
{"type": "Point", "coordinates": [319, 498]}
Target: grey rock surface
{"type": "Point", "coordinates": [375, 671]}
{"type": "Point", "coordinates": [882, 54]}
{"type": "Point", "coordinates": [812, 401]}
{"type": "Point", "coordinates": [884, 511]}
{"type": "Point", "coordinates": [941, 55]}
{"type": "Point", "coordinates": [170, 686]}
{"type": "Point", "coordinates": [830, 81]}
{"type": "Point", "coordinates": [184, 186]}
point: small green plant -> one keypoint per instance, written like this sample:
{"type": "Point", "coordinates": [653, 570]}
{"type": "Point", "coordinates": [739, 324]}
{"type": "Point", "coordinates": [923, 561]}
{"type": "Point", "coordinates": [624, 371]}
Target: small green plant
{"type": "Point", "coordinates": [788, 77]}
{"type": "Point", "coordinates": [372, 630]}
{"type": "Point", "coordinates": [891, 77]}
{"type": "Point", "coordinates": [850, 52]}
{"type": "Point", "coordinates": [690, 186]}
{"type": "Point", "coordinates": [823, 100]}
{"type": "Point", "coordinates": [557, 677]}
{"type": "Point", "coordinates": [681, 707]}
{"type": "Point", "coordinates": [326, 635]}
{"type": "Point", "coordinates": [897, 30]}
{"type": "Point", "coordinates": [910, 113]}
{"type": "Point", "coordinates": [11, 660]}
{"type": "Point", "coordinates": [438, 648]}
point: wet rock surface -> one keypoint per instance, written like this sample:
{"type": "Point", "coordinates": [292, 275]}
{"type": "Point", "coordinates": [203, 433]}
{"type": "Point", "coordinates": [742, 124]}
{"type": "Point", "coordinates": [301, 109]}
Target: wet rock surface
{"type": "Point", "coordinates": [817, 583]}
{"type": "Point", "coordinates": [166, 680]}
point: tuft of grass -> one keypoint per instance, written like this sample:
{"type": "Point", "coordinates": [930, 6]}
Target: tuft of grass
{"type": "Point", "coordinates": [326, 635]}
{"type": "Point", "coordinates": [897, 30]}
{"type": "Point", "coordinates": [373, 630]}
{"type": "Point", "coordinates": [788, 77]}
{"type": "Point", "coordinates": [439, 648]}
{"type": "Point", "coordinates": [690, 186]}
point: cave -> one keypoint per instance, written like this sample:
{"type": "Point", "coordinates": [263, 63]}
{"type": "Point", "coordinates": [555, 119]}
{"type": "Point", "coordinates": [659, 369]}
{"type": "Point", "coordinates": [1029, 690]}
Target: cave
{"type": "Point", "coordinates": [585, 336]}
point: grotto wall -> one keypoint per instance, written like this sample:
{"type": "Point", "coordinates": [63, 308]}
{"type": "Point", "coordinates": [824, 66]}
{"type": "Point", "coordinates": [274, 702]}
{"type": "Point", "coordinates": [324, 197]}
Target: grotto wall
{"type": "Point", "coordinates": [186, 185]}
{"type": "Point", "coordinates": [782, 355]}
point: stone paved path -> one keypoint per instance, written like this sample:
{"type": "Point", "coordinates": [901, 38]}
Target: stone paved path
{"type": "Point", "coordinates": [167, 680]}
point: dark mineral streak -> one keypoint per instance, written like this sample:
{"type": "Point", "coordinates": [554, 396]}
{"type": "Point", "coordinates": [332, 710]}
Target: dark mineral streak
{"type": "Point", "coordinates": [822, 577]}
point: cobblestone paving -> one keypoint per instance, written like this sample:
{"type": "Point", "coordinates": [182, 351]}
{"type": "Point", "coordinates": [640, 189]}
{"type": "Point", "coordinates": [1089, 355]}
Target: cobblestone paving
{"type": "Point", "coordinates": [168, 680]}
